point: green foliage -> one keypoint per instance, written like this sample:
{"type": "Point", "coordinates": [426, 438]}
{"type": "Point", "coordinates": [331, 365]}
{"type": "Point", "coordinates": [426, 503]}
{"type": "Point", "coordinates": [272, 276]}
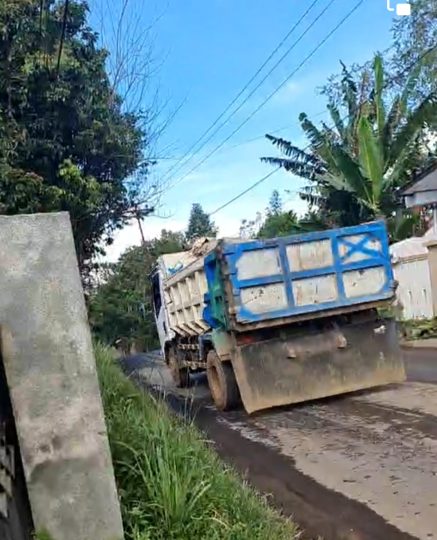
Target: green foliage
{"type": "Point", "coordinates": [278, 222]}
{"type": "Point", "coordinates": [275, 204]}
{"type": "Point", "coordinates": [405, 224]}
{"type": "Point", "coordinates": [200, 224]}
{"type": "Point", "coordinates": [385, 122]}
{"type": "Point", "coordinates": [66, 142]}
{"type": "Point", "coordinates": [43, 535]}
{"type": "Point", "coordinates": [172, 486]}
{"type": "Point", "coordinates": [121, 307]}
{"type": "Point", "coordinates": [168, 242]}
{"type": "Point", "coordinates": [281, 224]}
{"type": "Point", "coordinates": [356, 170]}
{"type": "Point", "coordinates": [419, 329]}
{"type": "Point", "coordinates": [412, 37]}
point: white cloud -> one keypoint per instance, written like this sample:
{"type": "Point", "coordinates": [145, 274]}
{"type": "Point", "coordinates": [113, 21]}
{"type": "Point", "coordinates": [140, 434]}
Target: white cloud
{"type": "Point", "coordinates": [288, 93]}
{"type": "Point", "coordinates": [228, 226]}
{"type": "Point", "coordinates": [297, 205]}
{"type": "Point", "coordinates": [225, 176]}
{"type": "Point", "coordinates": [130, 235]}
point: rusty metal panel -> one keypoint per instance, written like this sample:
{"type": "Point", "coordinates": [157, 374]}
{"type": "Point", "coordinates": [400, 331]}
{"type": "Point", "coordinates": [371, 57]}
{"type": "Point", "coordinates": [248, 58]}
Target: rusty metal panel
{"type": "Point", "coordinates": [315, 290]}
{"type": "Point", "coordinates": [294, 369]}
{"type": "Point", "coordinates": [264, 298]}
{"type": "Point", "coordinates": [308, 255]}
{"type": "Point", "coordinates": [256, 264]}
{"type": "Point", "coordinates": [359, 283]}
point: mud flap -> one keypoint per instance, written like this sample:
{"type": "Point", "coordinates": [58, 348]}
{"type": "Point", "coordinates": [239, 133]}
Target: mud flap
{"type": "Point", "coordinates": [295, 369]}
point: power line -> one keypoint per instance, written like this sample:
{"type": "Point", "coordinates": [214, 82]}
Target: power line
{"type": "Point", "coordinates": [236, 145]}
{"type": "Point", "coordinates": [263, 136]}
{"type": "Point", "coordinates": [253, 139]}
{"type": "Point", "coordinates": [252, 92]}
{"type": "Point", "coordinates": [308, 146]}
{"type": "Point", "coordinates": [263, 179]}
{"type": "Point", "coordinates": [257, 138]}
{"type": "Point", "coordinates": [241, 92]}
{"type": "Point", "coordinates": [272, 94]}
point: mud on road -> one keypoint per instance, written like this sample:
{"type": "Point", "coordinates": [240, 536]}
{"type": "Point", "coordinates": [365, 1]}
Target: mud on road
{"type": "Point", "coordinates": [357, 467]}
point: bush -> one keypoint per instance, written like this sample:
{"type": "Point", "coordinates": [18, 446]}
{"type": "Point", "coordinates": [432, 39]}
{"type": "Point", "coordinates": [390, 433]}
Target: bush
{"type": "Point", "coordinates": [419, 329]}
{"type": "Point", "coordinates": [171, 484]}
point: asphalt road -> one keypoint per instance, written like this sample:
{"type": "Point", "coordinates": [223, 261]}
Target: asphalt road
{"type": "Point", "coordinates": [355, 467]}
{"type": "Point", "coordinates": [421, 364]}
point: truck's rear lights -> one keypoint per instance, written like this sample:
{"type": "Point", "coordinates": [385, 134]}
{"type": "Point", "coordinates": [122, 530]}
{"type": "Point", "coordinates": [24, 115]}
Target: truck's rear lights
{"type": "Point", "coordinates": [246, 339]}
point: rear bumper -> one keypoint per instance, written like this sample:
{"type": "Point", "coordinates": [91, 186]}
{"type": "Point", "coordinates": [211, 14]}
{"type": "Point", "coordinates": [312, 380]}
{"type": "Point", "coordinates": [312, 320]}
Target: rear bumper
{"type": "Point", "coordinates": [295, 369]}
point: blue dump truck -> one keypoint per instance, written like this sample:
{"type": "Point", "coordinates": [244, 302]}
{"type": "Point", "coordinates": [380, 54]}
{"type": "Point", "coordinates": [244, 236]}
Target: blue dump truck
{"type": "Point", "coordinates": [280, 321]}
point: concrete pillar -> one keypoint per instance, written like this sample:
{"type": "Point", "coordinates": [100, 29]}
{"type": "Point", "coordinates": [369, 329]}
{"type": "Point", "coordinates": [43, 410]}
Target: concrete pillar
{"type": "Point", "coordinates": [50, 368]}
{"type": "Point", "coordinates": [432, 262]}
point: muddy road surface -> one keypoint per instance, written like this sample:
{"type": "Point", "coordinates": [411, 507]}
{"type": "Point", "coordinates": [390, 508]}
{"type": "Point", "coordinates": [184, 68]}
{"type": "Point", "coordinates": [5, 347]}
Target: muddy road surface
{"type": "Point", "coordinates": [356, 467]}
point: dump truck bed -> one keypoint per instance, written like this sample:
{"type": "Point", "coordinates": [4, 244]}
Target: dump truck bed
{"type": "Point", "coordinates": [185, 287]}
{"type": "Point", "coordinates": [253, 294]}
{"type": "Point", "coordinates": [270, 282]}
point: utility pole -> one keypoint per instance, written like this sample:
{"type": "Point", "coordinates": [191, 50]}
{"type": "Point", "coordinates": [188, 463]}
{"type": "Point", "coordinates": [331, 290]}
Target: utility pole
{"type": "Point", "coordinates": [139, 214]}
{"type": "Point", "coordinates": [140, 226]}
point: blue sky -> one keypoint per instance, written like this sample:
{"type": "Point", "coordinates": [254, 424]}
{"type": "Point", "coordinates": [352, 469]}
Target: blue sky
{"type": "Point", "coordinates": [207, 50]}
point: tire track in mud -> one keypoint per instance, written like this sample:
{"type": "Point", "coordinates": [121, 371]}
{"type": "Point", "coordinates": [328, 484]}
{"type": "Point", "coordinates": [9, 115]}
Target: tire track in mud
{"type": "Point", "coordinates": [357, 467]}
{"type": "Point", "coordinates": [364, 448]}
{"type": "Point", "coordinates": [318, 510]}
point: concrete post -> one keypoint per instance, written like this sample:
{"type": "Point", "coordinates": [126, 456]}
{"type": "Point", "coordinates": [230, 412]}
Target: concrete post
{"type": "Point", "coordinates": [50, 367]}
{"type": "Point", "coordinates": [432, 262]}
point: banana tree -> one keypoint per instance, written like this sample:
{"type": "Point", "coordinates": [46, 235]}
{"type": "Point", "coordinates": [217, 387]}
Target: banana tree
{"type": "Point", "coordinates": [362, 162]}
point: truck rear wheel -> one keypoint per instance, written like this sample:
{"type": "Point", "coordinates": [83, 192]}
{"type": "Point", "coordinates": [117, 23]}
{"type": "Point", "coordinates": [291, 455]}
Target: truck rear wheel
{"type": "Point", "coordinates": [222, 383]}
{"type": "Point", "coordinates": [181, 375]}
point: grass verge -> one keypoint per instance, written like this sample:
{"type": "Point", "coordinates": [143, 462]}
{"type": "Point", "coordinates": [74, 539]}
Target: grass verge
{"type": "Point", "coordinates": [419, 329]}
{"type": "Point", "coordinates": [171, 484]}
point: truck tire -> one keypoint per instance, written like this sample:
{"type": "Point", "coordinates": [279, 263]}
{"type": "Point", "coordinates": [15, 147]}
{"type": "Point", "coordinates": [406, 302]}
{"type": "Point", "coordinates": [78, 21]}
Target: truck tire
{"type": "Point", "coordinates": [222, 383]}
{"type": "Point", "coordinates": [181, 375]}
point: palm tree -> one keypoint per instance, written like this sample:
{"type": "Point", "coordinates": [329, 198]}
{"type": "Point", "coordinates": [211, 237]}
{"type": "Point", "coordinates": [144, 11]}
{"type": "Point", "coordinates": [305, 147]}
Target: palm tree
{"type": "Point", "coordinates": [356, 168]}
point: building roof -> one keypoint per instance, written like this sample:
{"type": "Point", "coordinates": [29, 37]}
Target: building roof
{"type": "Point", "coordinates": [426, 182]}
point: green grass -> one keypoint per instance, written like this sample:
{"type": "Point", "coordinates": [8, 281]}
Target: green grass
{"type": "Point", "coordinates": [419, 329]}
{"type": "Point", "coordinates": [43, 535]}
{"type": "Point", "coordinates": [171, 484]}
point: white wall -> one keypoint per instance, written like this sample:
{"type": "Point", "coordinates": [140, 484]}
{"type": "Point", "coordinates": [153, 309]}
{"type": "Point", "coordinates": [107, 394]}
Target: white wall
{"type": "Point", "coordinates": [414, 289]}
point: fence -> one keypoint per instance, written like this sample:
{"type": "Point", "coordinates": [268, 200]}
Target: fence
{"type": "Point", "coordinates": [412, 270]}
{"type": "Point", "coordinates": [414, 293]}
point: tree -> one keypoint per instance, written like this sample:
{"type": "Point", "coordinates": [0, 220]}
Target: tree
{"type": "Point", "coordinates": [275, 204]}
{"type": "Point", "coordinates": [363, 162]}
{"type": "Point", "coordinates": [121, 307]}
{"type": "Point", "coordinates": [280, 224]}
{"type": "Point", "coordinates": [249, 228]}
{"type": "Point", "coordinates": [66, 141]}
{"type": "Point", "coordinates": [414, 40]}
{"type": "Point", "coordinates": [168, 242]}
{"type": "Point", "coordinates": [199, 224]}
{"type": "Point", "coordinates": [277, 222]}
